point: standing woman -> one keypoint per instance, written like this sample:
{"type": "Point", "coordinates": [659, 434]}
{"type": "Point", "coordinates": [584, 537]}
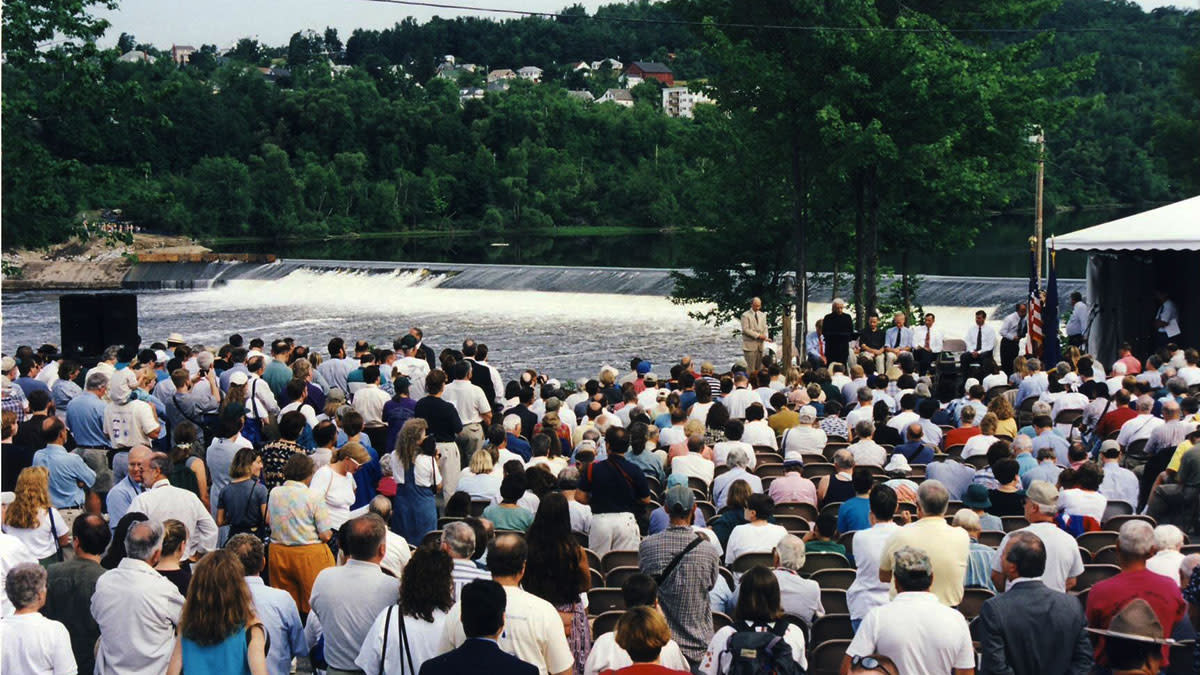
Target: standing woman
{"type": "Point", "coordinates": [218, 630]}
{"type": "Point", "coordinates": [415, 470]}
{"type": "Point", "coordinates": [33, 520]}
{"type": "Point", "coordinates": [426, 594]}
{"type": "Point", "coordinates": [397, 411]}
{"type": "Point", "coordinates": [222, 450]}
{"type": "Point", "coordinates": [335, 484]}
{"type": "Point", "coordinates": [300, 526]}
{"type": "Point", "coordinates": [242, 505]}
{"type": "Point", "coordinates": [557, 571]}
{"type": "Point", "coordinates": [187, 468]}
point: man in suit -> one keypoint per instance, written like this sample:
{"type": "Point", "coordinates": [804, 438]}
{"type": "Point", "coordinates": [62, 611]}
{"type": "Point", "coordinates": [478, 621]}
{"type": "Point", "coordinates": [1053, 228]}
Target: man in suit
{"type": "Point", "coordinates": [981, 344]}
{"type": "Point", "coordinates": [754, 334]}
{"type": "Point", "coordinates": [1030, 629]}
{"type": "Point", "coordinates": [838, 329]}
{"type": "Point", "coordinates": [483, 605]}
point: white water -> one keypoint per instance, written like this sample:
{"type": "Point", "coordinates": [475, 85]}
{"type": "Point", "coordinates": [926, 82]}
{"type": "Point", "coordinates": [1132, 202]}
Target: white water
{"type": "Point", "coordinates": [568, 335]}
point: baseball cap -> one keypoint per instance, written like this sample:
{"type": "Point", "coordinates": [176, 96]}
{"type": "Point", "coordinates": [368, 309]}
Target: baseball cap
{"type": "Point", "coordinates": [1044, 495]}
{"type": "Point", "coordinates": [807, 414]}
{"type": "Point", "coordinates": [336, 394]}
{"type": "Point", "coordinates": [644, 367]}
{"type": "Point", "coordinates": [408, 342]}
{"type": "Point", "coordinates": [1110, 444]}
{"type": "Point", "coordinates": [7, 363]}
{"type": "Point", "coordinates": [679, 500]}
{"type": "Point", "coordinates": [239, 377]}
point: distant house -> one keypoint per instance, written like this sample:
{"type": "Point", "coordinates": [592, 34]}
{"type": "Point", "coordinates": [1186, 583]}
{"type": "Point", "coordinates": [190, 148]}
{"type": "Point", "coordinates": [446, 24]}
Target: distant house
{"type": "Point", "coordinates": [498, 86]}
{"type": "Point", "coordinates": [339, 69]}
{"type": "Point", "coordinates": [181, 54]}
{"type": "Point", "coordinates": [135, 56]}
{"type": "Point", "coordinates": [501, 74]}
{"type": "Point", "coordinates": [531, 73]}
{"type": "Point", "coordinates": [621, 97]}
{"type": "Point", "coordinates": [649, 70]}
{"type": "Point", "coordinates": [275, 75]}
{"type": "Point", "coordinates": [449, 70]}
{"type": "Point", "coordinates": [469, 93]}
{"type": "Point", "coordinates": [581, 94]}
{"type": "Point", "coordinates": [580, 66]}
{"type": "Point", "coordinates": [679, 102]}
{"type": "Point", "coordinates": [612, 64]}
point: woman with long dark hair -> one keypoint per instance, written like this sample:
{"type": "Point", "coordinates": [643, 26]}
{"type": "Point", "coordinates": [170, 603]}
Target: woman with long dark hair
{"type": "Point", "coordinates": [758, 609]}
{"type": "Point", "coordinates": [407, 634]}
{"type": "Point", "coordinates": [218, 629]}
{"type": "Point", "coordinates": [415, 470]}
{"type": "Point", "coordinates": [557, 571]}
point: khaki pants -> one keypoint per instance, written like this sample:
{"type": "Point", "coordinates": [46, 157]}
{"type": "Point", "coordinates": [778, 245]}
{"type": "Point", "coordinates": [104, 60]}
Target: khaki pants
{"type": "Point", "coordinates": [450, 466]}
{"type": "Point", "coordinates": [69, 516]}
{"type": "Point", "coordinates": [613, 532]}
{"type": "Point", "coordinates": [754, 359]}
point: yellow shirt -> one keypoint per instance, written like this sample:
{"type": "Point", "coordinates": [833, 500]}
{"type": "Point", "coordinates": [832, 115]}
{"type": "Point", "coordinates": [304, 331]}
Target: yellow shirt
{"type": "Point", "coordinates": [1007, 427]}
{"type": "Point", "coordinates": [1180, 451]}
{"type": "Point", "coordinates": [947, 548]}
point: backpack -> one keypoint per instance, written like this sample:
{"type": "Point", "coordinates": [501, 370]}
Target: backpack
{"type": "Point", "coordinates": [754, 652]}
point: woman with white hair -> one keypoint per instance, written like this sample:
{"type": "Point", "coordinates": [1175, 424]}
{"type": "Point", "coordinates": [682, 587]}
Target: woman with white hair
{"type": "Point", "coordinates": [29, 642]}
{"type": "Point", "coordinates": [1168, 540]}
{"type": "Point", "coordinates": [979, 556]}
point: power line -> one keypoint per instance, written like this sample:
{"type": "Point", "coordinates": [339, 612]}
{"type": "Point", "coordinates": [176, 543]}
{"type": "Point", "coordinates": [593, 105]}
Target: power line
{"type": "Point", "coordinates": [759, 26]}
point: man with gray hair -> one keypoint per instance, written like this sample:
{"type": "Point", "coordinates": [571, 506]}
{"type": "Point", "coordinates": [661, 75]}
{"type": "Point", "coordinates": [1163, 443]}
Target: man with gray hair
{"type": "Point", "coordinates": [1171, 432]}
{"type": "Point", "coordinates": [458, 540]}
{"type": "Point", "coordinates": [865, 450]}
{"type": "Point", "coordinates": [738, 461]}
{"type": "Point", "coordinates": [838, 330]}
{"type": "Point", "coordinates": [915, 630]}
{"type": "Point", "coordinates": [1063, 562]}
{"type": "Point", "coordinates": [754, 335]}
{"type": "Point", "coordinates": [946, 548]}
{"type": "Point", "coordinates": [1034, 383]}
{"type": "Point", "coordinates": [798, 596]}
{"type": "Point", "coordinates": [581, 514]}
{"type": "Point", "coordinates": [1135, 545]}
{"type": "Point", "coordinates": [85, 419]}
{"type": "Point", "coordinates": [1031, 629]}
{"type": "Point", "coordinates": [136, 608]}
{"type": "Point", "coordinates": [1142, 426]}
{"type": "Point", "coordinates": [162, 501]}
{"type": "Point", "coordinates": [29, 642]}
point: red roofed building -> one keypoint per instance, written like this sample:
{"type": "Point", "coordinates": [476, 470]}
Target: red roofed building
{"type": "Point", "coordinates": [651, 70]}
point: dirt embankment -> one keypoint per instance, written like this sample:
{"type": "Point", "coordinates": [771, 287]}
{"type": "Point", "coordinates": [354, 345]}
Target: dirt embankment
{"type": "Point", "coordinates": [94, 263]}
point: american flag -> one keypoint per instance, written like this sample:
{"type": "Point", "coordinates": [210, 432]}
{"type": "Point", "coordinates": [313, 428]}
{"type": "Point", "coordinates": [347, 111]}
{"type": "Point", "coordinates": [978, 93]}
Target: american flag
{"type": "Point", "coordinates": [1033, 346]}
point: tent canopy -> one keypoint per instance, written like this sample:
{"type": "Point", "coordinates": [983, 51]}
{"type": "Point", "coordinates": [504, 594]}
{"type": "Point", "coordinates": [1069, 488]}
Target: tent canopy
{"type": "Point", "coordinates": [1174, 227]}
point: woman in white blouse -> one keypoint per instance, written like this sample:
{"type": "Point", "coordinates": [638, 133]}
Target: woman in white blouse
{"type": "Point", "coordinates": [757, 535]}
{"type": "Point", "coordinates": [478, 480]}
{"type": "Point", "coordinates": [33, 520]}
{"type": "Point", "coordinates": [406, 635]}
{"type": "Point", "coordinates": [335, 483]}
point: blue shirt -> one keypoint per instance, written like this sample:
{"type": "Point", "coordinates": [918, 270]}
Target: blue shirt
{"type": "Point", "coordinates": [277, 610]}
{"type": "Point", "coordinates": [85, 419]}
{"type": "Point", "coordinates": [1027, 462]}
{"type": "Point", "coordinates": [916, 452]}
{"type": "Point", "coordinates": [519, 446]}
{"type": "Point", "coordinates": [854, 515]}
{"type": "Point", "coordinates": [119, 498]}
{"type": "Point", "coordinates": [367, 477]}
{"type": "Point", "coordinates": [1049, 439]}
{"type": "Point", "coordinates": [65, 469]}
{"type": "Point", "coordinates": [1046, 471]}
{"type": "Point", "coordinates": [29, 384]}
{"type": "Point", "coordinates": [63, 392]}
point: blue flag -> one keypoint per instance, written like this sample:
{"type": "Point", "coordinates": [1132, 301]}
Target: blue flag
{"type": "Point", "coordinates": [1052, 351]}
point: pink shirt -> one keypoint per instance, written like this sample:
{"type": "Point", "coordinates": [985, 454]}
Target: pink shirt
{"type": "Point", "coordinates": [793, 487]}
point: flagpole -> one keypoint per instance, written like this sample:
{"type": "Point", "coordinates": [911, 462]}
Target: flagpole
{"type": "Point", "coordinates": [1041, 174]}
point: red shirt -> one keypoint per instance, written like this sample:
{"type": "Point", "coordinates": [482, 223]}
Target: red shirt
{"type": "Point", "coordinates": [1107, 598]}
{"type": "Point", "coordinates": [644, 669]}
{"type": "Point", "coordinates": [1112, 421]}
{"type": "Point", "coordinates": [958, 436]}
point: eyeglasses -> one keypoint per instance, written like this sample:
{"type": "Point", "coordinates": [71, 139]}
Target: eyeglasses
{"type": "Point", "coordinates": [868, 663]}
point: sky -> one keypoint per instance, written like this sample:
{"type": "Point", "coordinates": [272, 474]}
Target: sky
{"type": "Point", "coordinates": [223, 22]}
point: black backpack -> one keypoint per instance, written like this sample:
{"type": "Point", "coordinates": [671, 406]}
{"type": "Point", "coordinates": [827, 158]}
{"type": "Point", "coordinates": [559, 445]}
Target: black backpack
{"type": "Point", "coordinates": [755, 652]}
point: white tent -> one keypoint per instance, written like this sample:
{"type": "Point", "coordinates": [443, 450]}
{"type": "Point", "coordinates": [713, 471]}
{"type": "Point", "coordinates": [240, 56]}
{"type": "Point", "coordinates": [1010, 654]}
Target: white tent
{"type": "Point", "coordinates": [1174, 227]}
{"type": "Point", "coordinates": [1128, 260]}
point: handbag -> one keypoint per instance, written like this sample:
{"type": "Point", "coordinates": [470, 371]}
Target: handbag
{"type": "Point", "coordinates": [54, 533]}
{"type": "Point", "coordinates": [402, 639]}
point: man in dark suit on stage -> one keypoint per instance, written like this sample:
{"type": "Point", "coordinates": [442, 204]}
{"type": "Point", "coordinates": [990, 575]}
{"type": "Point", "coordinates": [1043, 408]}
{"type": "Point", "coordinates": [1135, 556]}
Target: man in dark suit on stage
{"type": "Point", "coordinates": [483, 604]}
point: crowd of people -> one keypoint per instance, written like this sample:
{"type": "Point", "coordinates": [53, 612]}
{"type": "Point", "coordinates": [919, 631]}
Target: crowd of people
{"type": "Point", "coordinates": [388, 509]}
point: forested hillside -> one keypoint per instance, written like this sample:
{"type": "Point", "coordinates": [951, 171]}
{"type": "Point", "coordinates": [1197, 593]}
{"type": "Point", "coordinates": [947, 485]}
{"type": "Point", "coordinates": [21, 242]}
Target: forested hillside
{"type": "Point", "coordinates": [218, 147]}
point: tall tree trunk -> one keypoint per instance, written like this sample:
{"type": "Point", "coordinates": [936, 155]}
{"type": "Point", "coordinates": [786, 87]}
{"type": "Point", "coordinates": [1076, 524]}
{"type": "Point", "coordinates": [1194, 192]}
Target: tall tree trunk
{"type": "Point", "coordinates": [905, 292]}
{"type": "Point", "coordinates": [860, 246]}
{"type": "Point", "coordinates": [799, 227]}
{"type": "Point", "coordinates": [872, 223]}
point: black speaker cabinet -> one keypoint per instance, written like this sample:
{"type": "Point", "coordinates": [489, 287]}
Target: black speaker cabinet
{"type": "Point", "coordinates": [93, 321]}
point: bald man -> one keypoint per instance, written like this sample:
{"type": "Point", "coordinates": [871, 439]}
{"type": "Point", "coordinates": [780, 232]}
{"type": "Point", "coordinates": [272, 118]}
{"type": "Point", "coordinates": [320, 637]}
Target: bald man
{"type": "Point", "coordinates": [121, 495]}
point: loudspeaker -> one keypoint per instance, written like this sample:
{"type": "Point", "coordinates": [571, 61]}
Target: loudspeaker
{"type": "Point", "coordinates": [93, 321]}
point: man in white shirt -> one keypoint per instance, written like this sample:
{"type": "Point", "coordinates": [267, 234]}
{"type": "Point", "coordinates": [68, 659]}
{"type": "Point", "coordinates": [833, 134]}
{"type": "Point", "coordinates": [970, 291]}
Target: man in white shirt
{"type": "Point", "coordinates": [12, 553]}
{"type": "Point", "coordinates": [865, 450]}
{"type": "Point", "coordinates": [693, 464]}
{"type": "Point", "coordinates": [473, 408]}
{"type": "Point", "coordinates": [1166, 320]}
{"type": "Point", "coordinates": [856, 381]}
{"type": "Point", "coordinates": [1077, 324]}
{"type": "Point", "coordinates": [798, 596]}
{"type": "Point", "coordinates": [458, 541]}
{"type": "Point", "coordinates": [737, 461]}
{"type": "Point", "coordinates": [1120, 484]}
{"type": "Point", "coordinates": [128, 421]}
{"type": "Point", "coordinates": [757, 431]}
{"type": "Point", "coordinates": [581, 514]}
{"type": "Point", "coordinates": [31, 642]}
{"type": "Point", "coordinates": [411, 366]}
{"type": "Point", "coordinates": [137, 608]}
{"type": "Point", "coordinates": [1063, 562]}
{"type": "Point", "coordinates": [347, 598]}
{"type": "Point", "coordinates": [865, 412]}
{"type": "Point", "coordinates": [370, 399]}
{"type": "Point", "coordinates": [906, 416]}
{"type": "Point", "coordinates": [981, 343]}
{"type": "Point", "coordinates": [1012, 331]}
{"type": "Point", "coordinates": [162, 501]}
{"type": "Point", "coordinates": [533, 629]}
{"type": "Point", "coordinates": [805, 437]}
{"type": "Point", "coordinates": [741, 397]}
{"type": "Point", "coordinates": [1142, 426]}
{"type": "Point", "coordinates": [916, 631]}
{"type": "Point", "coordinates": [898, 340]}
{"type": "Point", "coordinates": [867, 591]}
{"type": "Point", "coordinates": [927, 344]}
{"type": "Point", "coordinates": [733, 439]}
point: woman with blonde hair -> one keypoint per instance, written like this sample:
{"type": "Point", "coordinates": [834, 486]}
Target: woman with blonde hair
{"type": "Point", "coordinates": [33, 520]}
{"type": "Point", "coordinates": [171, 563]}
{"type": "Point", "coordinates": [218, 629]}
{"type": "Point", "coordinates": [415, 470]}
{"type": "Point", "coordinates": [478, 479]}
{"type": "Point", "coordinates": [1006, 423]}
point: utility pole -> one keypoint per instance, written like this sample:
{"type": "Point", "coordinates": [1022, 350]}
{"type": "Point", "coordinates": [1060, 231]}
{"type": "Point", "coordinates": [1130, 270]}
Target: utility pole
{"type": "Point", "coordinates": [1040, 139]}
{"type": "Point", "coordinates": [789, 300]}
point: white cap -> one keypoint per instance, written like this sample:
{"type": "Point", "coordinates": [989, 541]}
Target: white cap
{"type": "Point", "coordinates": [239, 377]}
